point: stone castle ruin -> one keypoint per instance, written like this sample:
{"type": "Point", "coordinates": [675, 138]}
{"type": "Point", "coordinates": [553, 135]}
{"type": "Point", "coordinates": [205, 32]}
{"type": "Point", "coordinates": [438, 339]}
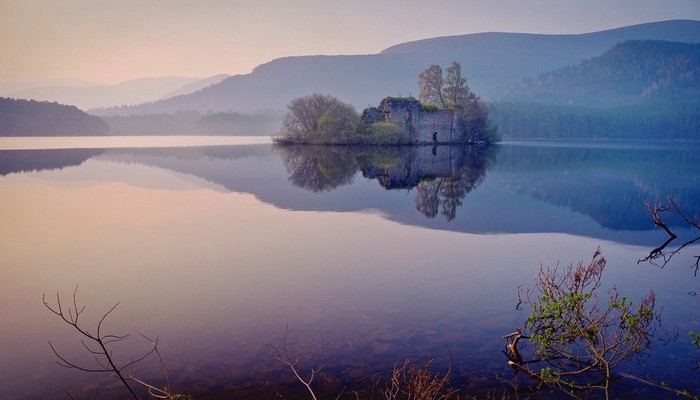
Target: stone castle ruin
{"type": "Point", "coordinates": [421, 125]}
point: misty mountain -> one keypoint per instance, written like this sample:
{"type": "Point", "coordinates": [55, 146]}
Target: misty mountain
{"type": "Point", "coordinates": [8, 88]}
{"type": "Point", "coordinates": [35, 118]}
{"type": "Point", "coordinates": [490, 61]}
{"type": "Point", "coordinates": [630, 72]}
{"type": "Point", "coordinates": [195, 86]}
{"type": "Point", "coordinates": [87, 96]}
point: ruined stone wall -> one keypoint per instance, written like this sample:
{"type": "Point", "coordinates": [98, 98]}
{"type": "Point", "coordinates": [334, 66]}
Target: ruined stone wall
{"type": "Point", "coordinates": [419, 163]}
{"type": "Point", "coordinates": [434, 126]}
{"type": "Point", "coordinates": [422, 126]}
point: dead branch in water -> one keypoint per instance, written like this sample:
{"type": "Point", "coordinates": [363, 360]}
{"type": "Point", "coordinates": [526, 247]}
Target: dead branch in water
{"type": "Point", "coordinates": [657, 256]}
{"type": "Point", "coordinates": [99, 345]}
{"type": "Point", "coordinates": [284, 357]}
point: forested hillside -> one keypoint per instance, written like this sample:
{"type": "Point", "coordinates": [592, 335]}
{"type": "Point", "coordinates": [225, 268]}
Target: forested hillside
{"type": "Point", "coordinates": [34, 118]}
{"type": "Point", "coordinates": [634, 71]}
{"type": "Point", "coordinates": [635, 90]}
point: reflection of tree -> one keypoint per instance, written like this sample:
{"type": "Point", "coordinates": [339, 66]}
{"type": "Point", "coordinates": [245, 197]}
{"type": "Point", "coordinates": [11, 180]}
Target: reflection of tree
{"type": "Point", "coordinates": [37, 160]}
{"type": "Point", "coordinates": [442, 175]}
{"type": "Point", "coordinates": [447, 192]}
{"type": "Point", "coordinates": [660, 256]}
{"type": "Point", "coordinates": [428, 197]}
{"type": "Point", "coordinates": [318, 169]}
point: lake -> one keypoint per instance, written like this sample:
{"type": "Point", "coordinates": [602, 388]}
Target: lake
{"type": "Point", "coordinates": [361, 257]}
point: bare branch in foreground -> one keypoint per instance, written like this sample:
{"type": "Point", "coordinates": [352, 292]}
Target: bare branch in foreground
{"type": "Point", "coordinates": [99, 345]}
{"type": "Point", "coordinates": [284, 357]}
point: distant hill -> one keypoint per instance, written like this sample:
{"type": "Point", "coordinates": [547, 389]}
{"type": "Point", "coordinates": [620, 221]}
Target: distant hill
{"type": "Point", "coordinates": [636, 90]}
{"type": "Point", "coordinates": [194, 86]}
{"type": "Point", "coordinates": [34, 118]}
{"type": "Point", "coordinates": [630, 72]}
{"type": "Point", "coordinates": [88, 96]}
{"type": "Point", "coordinates": [490, 61]}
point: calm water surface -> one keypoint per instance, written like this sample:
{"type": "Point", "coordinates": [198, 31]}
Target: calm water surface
{"type": "Point", "coordinates": [368, 256]}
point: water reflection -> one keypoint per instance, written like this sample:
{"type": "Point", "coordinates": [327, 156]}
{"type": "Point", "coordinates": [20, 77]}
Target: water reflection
{"type": "Point", "coordinates": [662, 255]}
{"type": "Point", "coordinates": [213, 248]}
{"type": "Point", "coordinates": [589, 189]}
{"type": "Point", "coordinates": [319, 168]}
{"type": "Point", "coordinates": [441, 175]}
{"type": "Point", "coordinates": [13, 161]}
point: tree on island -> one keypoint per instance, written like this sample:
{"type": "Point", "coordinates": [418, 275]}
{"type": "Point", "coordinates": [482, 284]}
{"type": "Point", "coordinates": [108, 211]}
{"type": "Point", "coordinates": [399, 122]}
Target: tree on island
{"type": "Point", "coordinates": [323, 119]}
{"type": "Point", "coordinates": [319, 118]}
{"type": "Point", "coordinates": [450, 91]}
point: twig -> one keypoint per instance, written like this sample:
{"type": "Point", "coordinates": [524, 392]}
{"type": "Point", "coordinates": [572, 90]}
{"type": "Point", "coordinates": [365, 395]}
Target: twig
{"type": "Point", "coordinates": [283, 356]}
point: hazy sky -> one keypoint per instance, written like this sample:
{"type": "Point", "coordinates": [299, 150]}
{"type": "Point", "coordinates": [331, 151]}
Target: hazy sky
{"type": "Point", "coordinates": [109, 41]}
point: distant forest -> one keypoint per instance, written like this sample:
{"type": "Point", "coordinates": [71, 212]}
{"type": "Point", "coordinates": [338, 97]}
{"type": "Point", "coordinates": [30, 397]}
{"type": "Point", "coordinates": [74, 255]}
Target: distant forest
{"type": "Point", "coordinates": [636, 90]}
{"type": "Point", "coordinates": [635, 71]}
{"type": "Point", "coordinates": [41, 118]}
{"type": "Point", "coordinates": [629, 122]}
{"type": "Point", "coordinates": [194, 123]}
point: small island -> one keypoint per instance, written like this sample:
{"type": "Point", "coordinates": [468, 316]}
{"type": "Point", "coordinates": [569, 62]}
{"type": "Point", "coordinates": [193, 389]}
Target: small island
{"type": "Point", "coordinates": [447, 112]}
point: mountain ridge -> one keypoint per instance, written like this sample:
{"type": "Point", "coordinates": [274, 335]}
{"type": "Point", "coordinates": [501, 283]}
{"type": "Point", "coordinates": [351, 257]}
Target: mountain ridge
{"type": "Point", "coordinates": [490, 61]}
{"type": "Point", "coordinates": [86, 95]}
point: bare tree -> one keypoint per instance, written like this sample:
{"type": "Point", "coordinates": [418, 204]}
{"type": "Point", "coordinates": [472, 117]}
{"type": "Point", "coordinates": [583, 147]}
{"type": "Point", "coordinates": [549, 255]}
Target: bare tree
{"type": "Point", "coordinates": [457, 92]}
{"type": "Point", "coordinates": [430, 84]}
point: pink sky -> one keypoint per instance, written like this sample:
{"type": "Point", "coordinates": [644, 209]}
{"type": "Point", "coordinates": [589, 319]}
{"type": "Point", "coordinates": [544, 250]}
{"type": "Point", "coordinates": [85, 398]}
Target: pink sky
{"type": "Point", "coordinates": [112, 41]}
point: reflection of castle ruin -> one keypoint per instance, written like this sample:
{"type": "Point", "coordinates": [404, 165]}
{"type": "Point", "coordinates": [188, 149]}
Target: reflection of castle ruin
{"type": "Point", "coordinates": [417, 164]}
{"type": "Point", "coordinates": [422, 125]}
{"type": "Point", "coordinates": [441, 175]}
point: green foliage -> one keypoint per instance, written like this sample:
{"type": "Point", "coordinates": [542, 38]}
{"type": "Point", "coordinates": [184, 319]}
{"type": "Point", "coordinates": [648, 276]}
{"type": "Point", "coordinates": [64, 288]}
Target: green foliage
{"type": "Point", "coordinates": [385, 133]}
{"type": "Point", "coordinates": [389, 98]}
{"type": "Point", "coordinates": [695, 337]}
{"type": "Point", "coordinates": [429, 107]}
{"type": "Point", "coordinates": [579, 337]}
{"type": "Point", "coordinates": [319, 119]}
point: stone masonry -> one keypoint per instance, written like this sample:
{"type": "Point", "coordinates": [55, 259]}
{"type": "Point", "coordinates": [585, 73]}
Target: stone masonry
{"type": "Point", "coordinates": [420, 125]}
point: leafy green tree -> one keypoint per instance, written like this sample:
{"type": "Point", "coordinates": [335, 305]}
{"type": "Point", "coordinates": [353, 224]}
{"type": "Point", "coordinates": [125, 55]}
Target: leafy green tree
{"type": "Point", "coordinates": [319, 119]}
{"type": "Point", "coordinates": [580, 337]}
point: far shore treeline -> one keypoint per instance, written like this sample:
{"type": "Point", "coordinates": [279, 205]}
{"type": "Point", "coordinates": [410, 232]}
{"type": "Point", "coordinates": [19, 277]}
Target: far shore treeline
{"type": "Point", "coordinates": [41, 118]}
